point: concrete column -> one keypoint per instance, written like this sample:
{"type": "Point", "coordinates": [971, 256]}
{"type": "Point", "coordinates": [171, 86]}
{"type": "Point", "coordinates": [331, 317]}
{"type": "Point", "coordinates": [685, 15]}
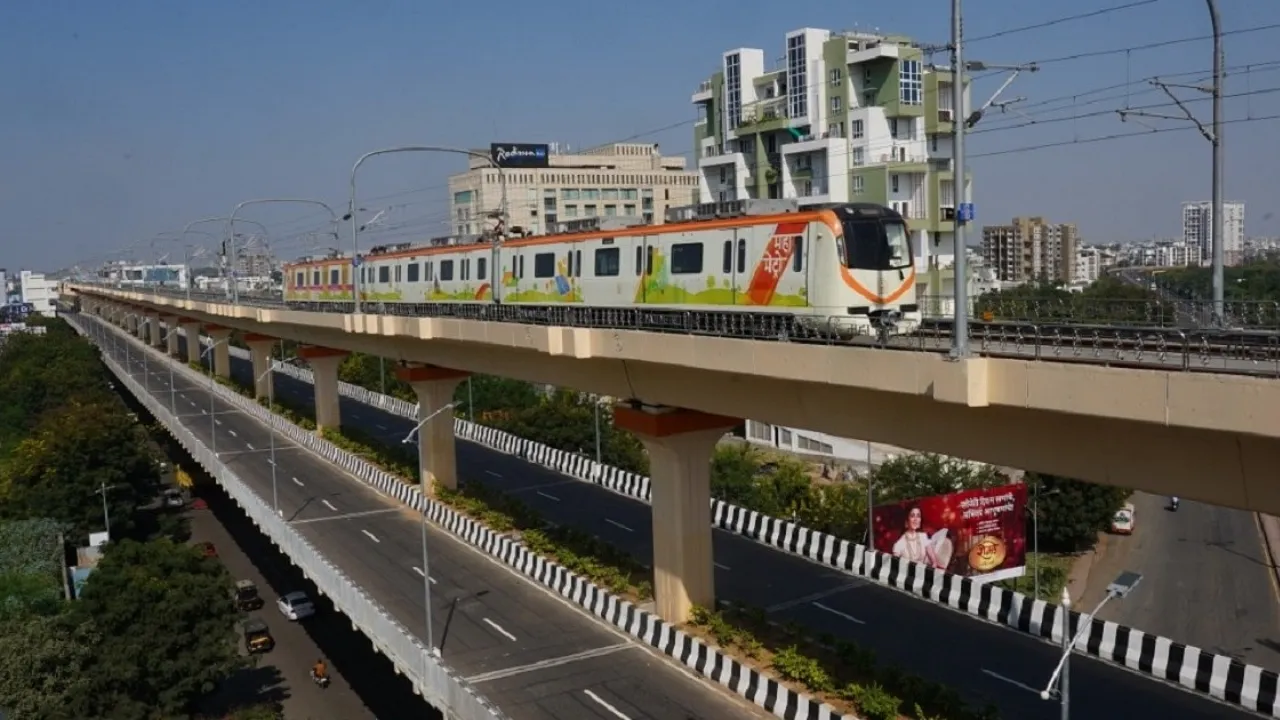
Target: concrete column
{"type": "Point", "coordinates": [679, 443]}
{"type": "Point", "coordinates": [171, 334]}
{"type": "Point", "coordinates": [221, 350]}
{"type": "Point", "coordinates": [437, 452]}
{"type": "Point", "coordinates": [153, 324]}
{"type": "Point", "coordinates": [192, 329]}
{"type": "Point", "coordinates": [260, 352]}
{"type": "Point", "coordinates": [324, 364]}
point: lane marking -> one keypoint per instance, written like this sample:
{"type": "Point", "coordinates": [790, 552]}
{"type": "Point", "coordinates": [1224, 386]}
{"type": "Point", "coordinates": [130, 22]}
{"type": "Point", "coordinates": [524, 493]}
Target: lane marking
{"type": "Point", "coordinates": [298, 482]}
{"type": "Point", "coordinates": [549, 497]}
{"type": "Point", "coordinates": [615, 711]}
{"type": "Point", "coordinates": [233, 433]}
{"type": "Point", "coordinates": [380, 426]}
{"type": "Point", "coordinates": [271, 462]}
{"type": "Point", "coordinates": [251, 447]}
{"type": "Point", "coordinates": [550, 662]}
{"type": "Point", "coordinates": [347, 516]}
{"type": "Point", "coordinates": [203, 411]}
{"type": "Point", "coordinates": [500, 629]}
{"type": "Point", "coordinates": [329, 505]}
{"type": "Point", "coordinates": [490, 472]}
{"type": "Point", "coordinates": [722, 567]}
{"type": "Point", "coordinates": [1011, 681]}
{"type": "Point", "coordinates": [837, 613]}
{"type": "Point", "coordinates": [371, 536]}
{"type": "Point", "coordinates": [615, 523]}
{"type": "Point", "coordinates": [219, 422]}
{"type": "Point", "coordinates": [419, 571]}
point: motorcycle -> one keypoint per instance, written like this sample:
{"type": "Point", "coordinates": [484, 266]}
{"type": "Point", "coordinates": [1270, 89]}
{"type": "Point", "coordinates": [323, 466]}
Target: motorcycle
{"type": "Point", "coordinates": [320, 680]}
{"type": "Point", "coordinates": [1173, 504]}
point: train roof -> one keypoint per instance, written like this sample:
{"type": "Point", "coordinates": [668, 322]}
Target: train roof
{"type": "Point", "coordinates": [684, 218]}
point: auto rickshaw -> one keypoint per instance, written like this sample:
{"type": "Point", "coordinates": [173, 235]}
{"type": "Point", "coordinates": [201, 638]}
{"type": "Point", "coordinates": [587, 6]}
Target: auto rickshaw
{"type": "Point", "coordinates": [246, 596]}
{"type": "Point", "coordinates": [257, 637]}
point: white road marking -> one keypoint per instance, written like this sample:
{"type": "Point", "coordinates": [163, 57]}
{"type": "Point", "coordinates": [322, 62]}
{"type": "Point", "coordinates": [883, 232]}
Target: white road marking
{"type": "Point", "coordinates": [549, 497]}
{"type": "Point", "coordinates": [329, 505]}
{"type": "Point", "coordinates": [837, 613]}
{"type": "Point", "coordinates": [380, 426]}
{"type": "Point", "coordinates": [219, 422]}
{"type": "Point", "coordinates": [615, 523]}
{"type": "Point", "coordinates": [1011, 681]}
{"type": "Point", "coordinates": [271, 462]}
{"type": "Point", "coordinates": [371, 536]}
{"type": "Point", "coordinates": [419, 571]}
{"type": "Point", "coordinates": [298, 482]}
{"type": "Point", "coordinates": [500, 629]}
{"type": "Point", "coordinates": [599, 700]}
{"type": "Point", "coordinates": [722, 567]}
{"type": "Point", "coordinates": [251, 447]}
{"type": "Point", "coordinates": [233, 433]}
{"type": "Point", "coordinates": [490, 472]}
{"type": "Point", "coordinates": [203, 411]}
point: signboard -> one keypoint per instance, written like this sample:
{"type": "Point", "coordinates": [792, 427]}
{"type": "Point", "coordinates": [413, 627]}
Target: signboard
{"type": "Point", "coordinates": [966, 212]}
{"type": "Point", "coordinates": [520, 155]}
{"type": "Point", "coordinates": [979, 534]}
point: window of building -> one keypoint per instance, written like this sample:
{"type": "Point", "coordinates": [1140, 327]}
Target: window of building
{"type": "Point", "coordinates": [608, 262]}
{"type": "Point", "coordinates": [544, 265]}
{"type": "Point", "coordinates": [590, 194]}
{"type": "Point", "coordinates": [334, 276]}
{"type": "Point", "coordinates": [836, 103]}
{"type": "Point", "coordinates": [481, 267]}
{"type": "Point", "coordinates": [855, 129]}
{"type": "Point", "coordinates": [610, 210]}
{"type": "Point", "coordinates": [910, 83]}
{"type": "Point", "coordinates": [411, 272]}
{"type": "Point", "coordinates": [384, 275]}
{"type": "Point", "coordinates": [893, 182]}
{"type": "Point", "coordinates": [570, 211]}
{"type": "Point", "coordinates": [859, 156]}
{"type": "Point", "coordinates": [686, 258]}
{"type": "Point", "coordinates": [630, 194]}
{"type": "Point", "coordinates": [589, 210]}
{"type": "Point", "coordinates": [859, 183]}
{"type": "Point", "coordinates": [629, 209]}
{"type": "Point", "coordinates": [609, 194]}
{"type": "Point", "coordinates": [446, 270]}
{"type": "Point", "coordinates": [835, 77]}
{"type": "Point", "coordinates": [549, 204]}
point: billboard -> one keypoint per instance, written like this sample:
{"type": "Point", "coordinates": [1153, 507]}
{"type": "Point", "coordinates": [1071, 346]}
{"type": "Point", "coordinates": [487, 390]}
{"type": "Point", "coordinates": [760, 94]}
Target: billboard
{"type": "Point", "coordinates": [978, 534]}
{"type": "Point", "coordinates": [520, 155]}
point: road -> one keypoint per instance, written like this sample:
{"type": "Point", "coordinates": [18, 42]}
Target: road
{"type": "Point", "coordinates": [996, 664]}
{"type": "Point", "coordinates": [528, 651]}
{"type": "Point", "coordinates": [1206, 579]}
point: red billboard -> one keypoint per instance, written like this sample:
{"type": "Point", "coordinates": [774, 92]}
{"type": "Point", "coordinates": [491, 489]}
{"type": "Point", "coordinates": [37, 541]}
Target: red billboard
{"type": "Point", "coordinates": [979, 534]}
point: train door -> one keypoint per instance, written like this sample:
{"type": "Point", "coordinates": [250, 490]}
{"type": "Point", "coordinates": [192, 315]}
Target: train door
{"type": "Point", "coordinates": [642, 265]}
{"type": "Point", "coordinates": [734, 263]}
{"type": "Point", "coordinates": [496, 273]}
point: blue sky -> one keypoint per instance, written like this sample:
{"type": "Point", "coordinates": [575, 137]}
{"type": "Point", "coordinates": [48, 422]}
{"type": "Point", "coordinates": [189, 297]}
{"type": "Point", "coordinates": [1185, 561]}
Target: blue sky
{"type": "Point", "coordinates": [120, 120]}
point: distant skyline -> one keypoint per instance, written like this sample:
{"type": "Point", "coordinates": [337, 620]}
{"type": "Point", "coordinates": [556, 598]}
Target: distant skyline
{"type": "Point", "coordinates": [124, 120]}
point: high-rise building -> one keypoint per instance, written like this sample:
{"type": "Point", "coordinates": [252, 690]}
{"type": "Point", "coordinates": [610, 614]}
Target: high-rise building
{"type": "Point", "coordinates": [1031, 249]}
{"type": "Point", "coordinates": [841, 117]}
{"type": "Point", "coordinates": [624, 179]}
{"type": "Point", "coordinates": [38, 291]}
{"type": "Point", "coordinates": [1197, 230]}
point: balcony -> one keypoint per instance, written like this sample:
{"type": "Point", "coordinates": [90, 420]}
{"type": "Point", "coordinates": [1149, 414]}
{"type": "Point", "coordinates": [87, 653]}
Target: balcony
{"type": "Point", "coordinates": [703, 93]}
{"type": "Point", "coordinates": [900, 156]}
{"type": "Point", "coordinates": [717, 155]}
{"type": "Point", "coordinates": [880, 51]}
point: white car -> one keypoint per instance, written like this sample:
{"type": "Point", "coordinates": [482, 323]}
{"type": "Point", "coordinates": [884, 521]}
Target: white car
{"type": "Point", "coordinates": [1122, 523]}
{"type": "Point", "coordinates": [296, 605]}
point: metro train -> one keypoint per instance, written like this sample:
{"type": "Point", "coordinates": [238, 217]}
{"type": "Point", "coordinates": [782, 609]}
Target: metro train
{"type": "Point", "coordinates": [845, 266]}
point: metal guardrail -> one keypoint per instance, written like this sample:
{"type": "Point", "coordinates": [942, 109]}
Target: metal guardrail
{"type": "Point", "coordinates": [1240, 351]}
{"type": "Point", "coordinates": [435, 682]}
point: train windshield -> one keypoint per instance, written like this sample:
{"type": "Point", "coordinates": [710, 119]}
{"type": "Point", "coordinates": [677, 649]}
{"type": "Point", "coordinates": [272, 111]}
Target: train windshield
{"type": "Point", "coordinates": [876, 244]}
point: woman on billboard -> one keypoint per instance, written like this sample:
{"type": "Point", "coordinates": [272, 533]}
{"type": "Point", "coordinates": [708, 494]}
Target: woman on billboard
{"type": "Point", "coordinates": [915, 545]}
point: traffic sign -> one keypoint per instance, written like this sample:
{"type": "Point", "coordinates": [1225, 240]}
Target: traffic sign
{"type": "Point", "coordinates": [965, 213]}
{"type": "Point", "coordinates": [355, 261]}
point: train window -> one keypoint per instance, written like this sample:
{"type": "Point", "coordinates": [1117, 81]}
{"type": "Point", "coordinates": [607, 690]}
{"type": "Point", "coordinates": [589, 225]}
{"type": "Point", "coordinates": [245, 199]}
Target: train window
{"type": "Point", "coordinates": [334, 274]}
{"type": "Point", "coordinates": [446, 270]}
{"type": "Point", "coordinates": [521, 267]}
{"type": "Point", "coordinates": [466, 269]}
{"type": "Point", "coordinates": [315, 278]}
{"type": "Point", "coordinates": [411, 272]}
{"type": "Point", "coordinates": [577, 261]}
{"type": "Point", "coordinates": [398, 273]}
{"type": "Point", "coordinates": [384, 274]}
{"type": "Point", "coordinates": [797, 253]}
{"type": "Point", "coordinates": [742, 256]}
{"type": "Point", "coordinates": [481, 267]}
{"type": "Point", "coordinates": [686, 258]}
{"type": "Point", "coordinates": [639, 259]}
{"type": "Point", "coordinates": [608, 262]}
{"type": "Point", "coordinates": [648, 260]}
{"type": "Point", "coordinates": [544, 265]}
{"type": "Point", "coordinates": [300, 279]}
{"type": "Point", "coordinates": [426, 271]}
{"type": "Point", "coordinates": [728, 257]}
{"type": "Point", "coordinates": [568, 264]}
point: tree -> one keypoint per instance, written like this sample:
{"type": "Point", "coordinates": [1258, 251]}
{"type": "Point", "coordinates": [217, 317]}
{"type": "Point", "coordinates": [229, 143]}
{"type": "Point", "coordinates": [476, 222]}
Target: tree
{"type": "Point", "coordinates": [43, 668]}
{"type": "Point", "coordinates": [166, 625]}
{"type": "Point", "coordinates": [58, 472]}
{"type": "Point", "coordinates": [488, 393]}
{"type": "Point", "coordinates": [1073, 512]}
{"type": "Point", "coordinates": [925, 474]}
{"type": "Point", "coordinates": [40, 372]}
{"type": "Point", "coordinates": [1106, 300]}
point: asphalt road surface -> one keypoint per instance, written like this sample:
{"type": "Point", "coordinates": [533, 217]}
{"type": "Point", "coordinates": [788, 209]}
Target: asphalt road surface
{"type": "Point", "coordinates": [1206, 579]}
{"type": "Point", "coordinates": [987, 662]}
{"type": "Point", "coordinates": [528, 651]}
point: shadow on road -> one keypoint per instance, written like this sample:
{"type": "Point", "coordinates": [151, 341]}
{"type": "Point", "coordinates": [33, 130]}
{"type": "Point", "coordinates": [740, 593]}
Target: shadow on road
{"type": "Point", "coordinates": [248, 687]}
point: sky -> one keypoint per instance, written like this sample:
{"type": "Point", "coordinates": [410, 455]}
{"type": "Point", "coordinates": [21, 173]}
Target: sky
{"type": "Point", "coordinates": [126, 119]}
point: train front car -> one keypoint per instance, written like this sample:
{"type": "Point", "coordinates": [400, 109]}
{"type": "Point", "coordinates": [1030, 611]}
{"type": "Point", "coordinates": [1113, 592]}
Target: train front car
{"type": "Point", "coordinates": [877, 275]}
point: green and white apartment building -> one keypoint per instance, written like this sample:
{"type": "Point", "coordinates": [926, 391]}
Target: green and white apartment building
{"type": "Point", "coordinates": [843, 117]}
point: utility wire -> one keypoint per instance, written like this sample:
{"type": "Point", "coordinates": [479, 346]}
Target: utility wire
{"type": "Point", "coordinates": [1059, 21]}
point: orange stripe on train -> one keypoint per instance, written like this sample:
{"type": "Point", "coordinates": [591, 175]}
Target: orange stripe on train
{"type": "Point", "coordinates": [777, 255]}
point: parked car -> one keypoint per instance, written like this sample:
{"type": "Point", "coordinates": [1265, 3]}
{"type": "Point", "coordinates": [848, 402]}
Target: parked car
{"type": "Point", "coordinates": [207, 549]}
{"type": "Point", "coordinates": [257, 637]}
{"type": "Point", "coordinates": [246, 596]}
{"type": "Point", "coordinates": [173, 497]}
{"type": "Point", "coordinates": [1122, 523]}
{"type": "Point", "coordinates": [296, 605]}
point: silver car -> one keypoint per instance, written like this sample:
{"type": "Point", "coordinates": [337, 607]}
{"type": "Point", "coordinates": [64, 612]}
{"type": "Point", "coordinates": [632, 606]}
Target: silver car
{"type": "Point", "coordinates": [296, 605]}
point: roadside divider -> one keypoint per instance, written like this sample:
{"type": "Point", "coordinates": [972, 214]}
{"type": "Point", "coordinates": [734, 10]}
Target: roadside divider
{"type": "Point", "coordinates": [433, 680]}
{"type": "Point", "coordinates": [1219, 676]}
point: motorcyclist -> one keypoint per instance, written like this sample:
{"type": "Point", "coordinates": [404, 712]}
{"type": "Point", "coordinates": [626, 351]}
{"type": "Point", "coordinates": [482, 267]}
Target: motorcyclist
{"type": "Point", "coordinates": [1174, 502]}
{"type": "Point", "coordinates": [318, 670]}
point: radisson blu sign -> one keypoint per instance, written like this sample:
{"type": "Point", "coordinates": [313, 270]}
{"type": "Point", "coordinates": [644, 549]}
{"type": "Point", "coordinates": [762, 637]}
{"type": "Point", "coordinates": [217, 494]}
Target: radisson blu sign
{"type": "Point", "coordinates": [519, 155]}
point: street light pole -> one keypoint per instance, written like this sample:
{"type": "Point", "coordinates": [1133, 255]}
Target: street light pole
{"type": "Point", "coordinates": [422, 484]}
{"type": "Point", "coordinates": [1218, 160]}
{"type": "Point", "coordinates": [231, 231]}
{"type": "Point", "coordinates": [1124, 584]}
{"type": "Point", "coordinates": [213, 423]}
{"type": "Point", "coordinates": [352, 211]}
{"type": "Point", "coordinates": [106, 514]}
{"type": "Point", "coordinates": [960, 332]}
{"type": "Point", "coordinates": [271, 433]}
